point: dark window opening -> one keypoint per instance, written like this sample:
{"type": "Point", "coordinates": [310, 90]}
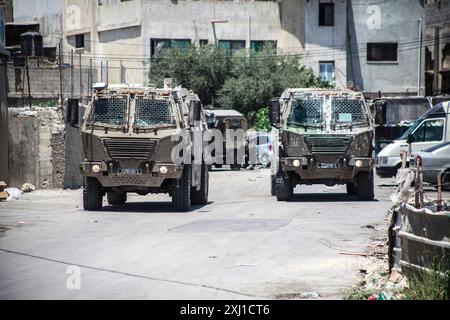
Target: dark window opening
{"type": "Point", "coordinates": [79, 41]}
{"type": "Point", "coordinates": [326, 14]}
{"type": "Point", "coordinates": [258, 46]}
{"type": "Point", "coordinates": [382, 51]}
{"type": "Point", "coordinates": [232, 45]}
{"type": "Point", "coordinates": [159, 45]}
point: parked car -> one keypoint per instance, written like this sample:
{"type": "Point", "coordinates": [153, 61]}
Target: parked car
{"type": "Point", "coordinates": [263, 147]}
{"type": "Point", "coordinates": [428, 131]}
{"type": "Point", "coordinates": [435, 160]}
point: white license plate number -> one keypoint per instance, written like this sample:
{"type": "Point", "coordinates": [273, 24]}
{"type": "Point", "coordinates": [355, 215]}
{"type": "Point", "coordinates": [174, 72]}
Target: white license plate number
{"type": "Point", "coordinates": [322, 165]}
{"type": "Point", "coordinates": [130, 171]}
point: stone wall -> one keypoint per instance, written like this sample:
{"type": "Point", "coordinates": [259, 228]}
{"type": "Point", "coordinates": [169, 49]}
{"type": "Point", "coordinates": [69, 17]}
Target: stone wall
{"type": "Point", "coordinates": [36, 147]}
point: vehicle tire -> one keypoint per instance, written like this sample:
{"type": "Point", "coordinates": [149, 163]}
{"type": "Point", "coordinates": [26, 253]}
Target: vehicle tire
{"type": "Point", "coordinates": [235, 167]}
{"type": "Point", "coordinates": [200, 197]}
{"type": "Point", "coordinates": [351, 189]}
{"type": "Point", "coordinates": [273, 187]}
{"type": "Point", "coordinates": [218, 166]}
{"type": "Point", "coordinates": [92, 194]}
{"type": "Point", "coordinates": [284, 190]}
{"type": "Point", "coordinates": [181, 195]}
{"type": "Point", "coordinates": [365, 186]}
{"type": "Point", "coordinates": [116, 197]}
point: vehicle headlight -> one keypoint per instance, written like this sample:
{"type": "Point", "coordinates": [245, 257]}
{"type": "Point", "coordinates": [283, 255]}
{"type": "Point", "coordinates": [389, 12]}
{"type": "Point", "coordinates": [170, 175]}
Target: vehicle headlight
{"type": "Point", "coordinates": [358, 163]}
{"type": "Point", "coordinates": [163, 169]}
{"type": "Point", "coordinates": [296, 163]}
{"type": "Point", "coordinates": [95, 168]}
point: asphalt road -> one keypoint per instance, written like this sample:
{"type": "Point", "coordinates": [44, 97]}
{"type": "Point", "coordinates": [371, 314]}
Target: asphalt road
{"type": "Point", "coordinates": [243, 245]}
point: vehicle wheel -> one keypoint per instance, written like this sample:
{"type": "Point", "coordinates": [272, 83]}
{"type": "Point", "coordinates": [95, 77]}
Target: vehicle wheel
{"type": "Point", "coordinates": [218, 166]}
{"type": "Point", "coordinates": [235, 167]}
{"type": "Point", "coordinates": [273, 187]}
{"type": "Point", "coordinates": [351, 189]}
{"type": "Point", "coordinates": [365, 186]}
{"type": "Point", "coordinates": [284, 190]}
{"type": "Point", "coordinates": [92, 194]}
{"type": "Point", "coordinates": [200, 197]}
{"type": "Point", "coordinates": [181, 195]}
{"type": "Point", "coordinates": [116, 197]}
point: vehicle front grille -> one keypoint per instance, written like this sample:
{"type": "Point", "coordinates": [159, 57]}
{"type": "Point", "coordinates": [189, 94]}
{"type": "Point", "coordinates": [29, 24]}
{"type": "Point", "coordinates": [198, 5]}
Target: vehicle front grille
{"type": "Point", "coordinates": [328, 145]}
{"type": "Point", "coordinates": [129, 148]}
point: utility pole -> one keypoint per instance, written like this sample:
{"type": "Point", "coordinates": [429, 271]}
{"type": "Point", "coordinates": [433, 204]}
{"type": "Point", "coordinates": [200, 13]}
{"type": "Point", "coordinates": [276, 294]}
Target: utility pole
{"type": "Point", "coordinates": [419, 59]}
{"type": "Point", "coordinates": [60, 74]}
{"type": "Point", "coordinates": [71, 74]}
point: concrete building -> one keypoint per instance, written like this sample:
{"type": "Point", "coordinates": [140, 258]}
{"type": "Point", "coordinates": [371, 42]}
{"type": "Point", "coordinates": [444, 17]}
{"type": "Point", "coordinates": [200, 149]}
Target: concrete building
{"type": "Point", "coordinates": [437, 47]}
{"type": "Point", "coordinates": [383, 46]}
{"type": "Point", "coordinates": [4, 134]}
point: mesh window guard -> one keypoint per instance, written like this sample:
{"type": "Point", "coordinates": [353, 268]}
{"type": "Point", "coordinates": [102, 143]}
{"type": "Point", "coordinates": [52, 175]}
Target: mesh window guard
{"type": "Point", "coordinates": [111, 111]}
{"type": "Point", "coordinates": [153, 112]}
{"type": "Point", "coordinates": [348, 110]}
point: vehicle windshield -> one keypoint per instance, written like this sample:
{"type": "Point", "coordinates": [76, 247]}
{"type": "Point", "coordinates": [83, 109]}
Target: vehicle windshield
{"type": "Point", "coordinates": [306, 112]}
{"type": "Point", "coordinates": [110, 111]}
{"type": "Point", "coordinates": [153, 112]}
{"type": "Point", "coordinates": [411, 128]}
{"type": "Point", "coordinates": [348, 111]}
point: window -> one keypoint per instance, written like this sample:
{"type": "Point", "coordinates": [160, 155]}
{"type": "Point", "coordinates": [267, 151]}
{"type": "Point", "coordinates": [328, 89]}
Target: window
{"type": "Point", "coordinates": [326, 14]}
{"type": "Point", "coordinates": [232, 45]}
{"type": "Point", "coordinates": [429, 130]}
{"type": "Point", "coordinates": [382, 51]}
{"type": "Point", "coordinates": [159, 45]}
{"type": "Point", "coordinates": [326, 71]}
{"type": "Point", "coordinates": [79, 41]}
{"type": "Point", "coordinates": [258, 46]}
{"type": "Point", "coordinates": [203, 42]}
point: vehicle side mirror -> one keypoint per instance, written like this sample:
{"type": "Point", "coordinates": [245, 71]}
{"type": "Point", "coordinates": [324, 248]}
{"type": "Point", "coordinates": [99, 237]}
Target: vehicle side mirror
{"type": "Point", "coordinates": [72, 112]}
{"type": "Point", "coordinates": [195, 112]}
{"type": "Point", "coordinates": [410, 138]}
{"type": "Point", "coordinates": [274, 112]}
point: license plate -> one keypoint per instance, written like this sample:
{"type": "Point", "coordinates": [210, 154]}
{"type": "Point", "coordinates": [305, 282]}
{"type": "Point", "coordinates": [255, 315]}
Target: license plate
{"type": "Point", "coordinates": [327, 165]}
{"type": "Point", "coordinates": [130, 171]}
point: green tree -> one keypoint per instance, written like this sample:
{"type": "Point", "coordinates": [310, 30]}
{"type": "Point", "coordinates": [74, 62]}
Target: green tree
{"type": "Point", "coordinates": [232, 81]}
{"type": "Point", "coordinates": [202, 70]}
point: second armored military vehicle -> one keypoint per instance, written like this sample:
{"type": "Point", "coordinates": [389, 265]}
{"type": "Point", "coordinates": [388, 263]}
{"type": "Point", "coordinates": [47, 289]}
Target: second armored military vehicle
{"type": "Point", "coordinates": [127, 136]}
{"type": "Point", "coordinates": [324, 137]}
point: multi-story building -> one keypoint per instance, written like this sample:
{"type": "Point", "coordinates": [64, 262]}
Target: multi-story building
{"type": "Point", "coordinates": [437, 47]}
{"type": "Point", "coordinates": [367, 44]}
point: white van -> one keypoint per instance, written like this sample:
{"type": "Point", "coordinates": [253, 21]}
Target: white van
{"type": "Point", "coordinates": [429, 130]}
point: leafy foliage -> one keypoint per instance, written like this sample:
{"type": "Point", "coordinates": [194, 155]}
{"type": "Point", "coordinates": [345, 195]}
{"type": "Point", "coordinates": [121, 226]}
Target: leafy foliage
{"type": "Point", "coordinates": [233, 81]}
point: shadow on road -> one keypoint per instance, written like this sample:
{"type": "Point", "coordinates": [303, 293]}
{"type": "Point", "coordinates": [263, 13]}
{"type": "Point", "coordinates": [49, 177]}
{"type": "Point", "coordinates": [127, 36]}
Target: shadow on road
{"type": "Point", "coordinates": [148, 207]}
{"type": "Point", "coordinates": [326, 197]}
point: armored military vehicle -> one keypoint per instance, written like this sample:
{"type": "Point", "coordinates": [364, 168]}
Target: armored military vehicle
{"type": "Point", "coordinates": [324, 137]}
{"type": "Point", "coordinates": [233, 120]}
{"type": "Point", "coordinates": [127, 134]}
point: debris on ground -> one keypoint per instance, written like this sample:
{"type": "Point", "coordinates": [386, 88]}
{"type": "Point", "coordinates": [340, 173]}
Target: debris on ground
{"type": "Point", "coordinates": [28, 187]}
{"type": "Point", "coordinates": [309, 295]}
{"type": "Point", "coordinates": [14, 193]}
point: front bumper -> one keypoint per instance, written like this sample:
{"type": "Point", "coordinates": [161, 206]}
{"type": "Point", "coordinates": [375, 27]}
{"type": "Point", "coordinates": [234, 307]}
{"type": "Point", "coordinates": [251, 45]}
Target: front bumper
{"type": "Point", "coordinates": [152, 177]}
{"type": "Point", "coordinates": [307, 168]}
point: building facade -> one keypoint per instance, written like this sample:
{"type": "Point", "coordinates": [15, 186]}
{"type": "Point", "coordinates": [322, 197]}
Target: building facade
{"type": "Point", "coordinates": [437, 47]}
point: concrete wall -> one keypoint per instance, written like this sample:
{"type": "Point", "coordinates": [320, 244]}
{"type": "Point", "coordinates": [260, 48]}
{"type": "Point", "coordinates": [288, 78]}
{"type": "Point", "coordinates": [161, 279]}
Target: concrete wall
{"type": "Point", "coordinates": [4, 134]}
{"type": "Point", "coordinates": [45, 81]}
{"type": "Point", "coordinates": [384, 21]}
{"type": "Point", "coordinates": [73, 154]}
{"type": "Point", "coordinates": [36, 148]}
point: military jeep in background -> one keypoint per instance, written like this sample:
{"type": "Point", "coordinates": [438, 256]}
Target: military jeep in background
{"type": "Point", "coordinates": [223, 120]}
{"type": "Point", "coordinates": [324, 137]}
{"type": "Point", "coordinates": [127, 144]}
